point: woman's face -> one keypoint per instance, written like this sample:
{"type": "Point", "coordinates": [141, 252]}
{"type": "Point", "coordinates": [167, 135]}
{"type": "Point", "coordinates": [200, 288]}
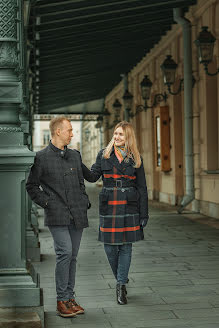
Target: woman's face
{"type": "Point", "coordinates": [119, 137]}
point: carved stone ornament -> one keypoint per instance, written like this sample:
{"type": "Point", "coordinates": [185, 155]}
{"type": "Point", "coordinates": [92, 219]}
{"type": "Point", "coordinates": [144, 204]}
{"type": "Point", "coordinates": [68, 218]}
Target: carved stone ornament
{"type": "Point", "coordinates": [10, 129]}
{"type": "Point", "coordinates": [8, 54]}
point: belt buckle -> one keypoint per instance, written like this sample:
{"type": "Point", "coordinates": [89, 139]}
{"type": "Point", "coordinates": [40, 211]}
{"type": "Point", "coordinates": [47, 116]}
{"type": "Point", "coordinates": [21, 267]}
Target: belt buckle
{"type": "Point", "coordinates": [119, 183]}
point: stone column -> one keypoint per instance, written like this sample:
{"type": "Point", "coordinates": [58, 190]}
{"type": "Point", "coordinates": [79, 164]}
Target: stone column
{"type": "Point", "coordinates": [17, 286]}
{"type": "Point", "coordinates": [32, 239]}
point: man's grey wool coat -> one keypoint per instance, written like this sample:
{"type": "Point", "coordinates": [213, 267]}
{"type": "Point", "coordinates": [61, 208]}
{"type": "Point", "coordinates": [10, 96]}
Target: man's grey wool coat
{"type": "Point", "coordinates": [56, 183]}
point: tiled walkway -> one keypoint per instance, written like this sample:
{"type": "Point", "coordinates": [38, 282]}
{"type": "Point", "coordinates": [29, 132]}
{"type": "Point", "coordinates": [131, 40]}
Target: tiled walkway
{"type": "Point", "coordinates": [174, 276]}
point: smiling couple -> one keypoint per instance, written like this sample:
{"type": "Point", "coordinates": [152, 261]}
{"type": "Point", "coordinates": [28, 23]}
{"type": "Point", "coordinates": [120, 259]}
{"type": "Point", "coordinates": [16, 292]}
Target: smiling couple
{"type": "Point", "coordinates": [56, 183]}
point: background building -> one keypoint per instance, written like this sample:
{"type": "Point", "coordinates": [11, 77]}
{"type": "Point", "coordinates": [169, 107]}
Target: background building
{"type": "Point", "coordinates": [179, 138]}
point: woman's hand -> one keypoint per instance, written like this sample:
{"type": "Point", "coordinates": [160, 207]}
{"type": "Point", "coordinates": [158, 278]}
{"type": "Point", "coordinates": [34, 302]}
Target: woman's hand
{"type": "Point", "coordinates": [143, 222]}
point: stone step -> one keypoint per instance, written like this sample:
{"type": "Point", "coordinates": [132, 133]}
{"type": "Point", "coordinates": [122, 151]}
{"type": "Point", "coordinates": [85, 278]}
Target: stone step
{"type": "Point", "coordinates": [20, 320]}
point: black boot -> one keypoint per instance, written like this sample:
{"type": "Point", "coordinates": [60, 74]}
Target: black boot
{"type": "Point", "coordinates": [125, 286]}
{"type": "Point", "coordinates": [121, 294]}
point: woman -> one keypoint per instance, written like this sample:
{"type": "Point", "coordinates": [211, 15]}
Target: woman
{"type": "Point", "coordinates": [123, 201]}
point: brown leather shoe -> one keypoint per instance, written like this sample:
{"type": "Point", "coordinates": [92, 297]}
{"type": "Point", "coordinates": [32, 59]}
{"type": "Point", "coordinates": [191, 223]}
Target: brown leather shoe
{"type": "Point", "coordinates": [64, 310]}
{"type": "Point", "coordinates": [75, 306]}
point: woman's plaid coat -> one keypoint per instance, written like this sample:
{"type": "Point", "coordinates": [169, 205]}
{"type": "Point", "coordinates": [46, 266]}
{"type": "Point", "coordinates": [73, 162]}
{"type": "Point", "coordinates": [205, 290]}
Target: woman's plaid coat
{"type": "Point", "coordinates": [123, 201]}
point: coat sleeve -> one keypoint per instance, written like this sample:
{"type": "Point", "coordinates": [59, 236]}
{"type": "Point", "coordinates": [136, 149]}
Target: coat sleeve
{"type": "Point", "coordinates": [33, 184]}
{"type": "Point", "coordinates": [95, 173]}
{"type": "Point", "coordinates": [142, 190]}
{"type": "Point", "coordinates": [80, 174]}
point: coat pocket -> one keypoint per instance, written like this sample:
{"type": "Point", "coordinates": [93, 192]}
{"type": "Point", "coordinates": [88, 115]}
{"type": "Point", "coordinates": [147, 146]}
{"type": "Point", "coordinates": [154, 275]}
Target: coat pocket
{"type": "Point", "coordinates": [132, 202]}
{"type": "Point", "coordinates": [71, 178]}
{"type": "Point", "coordinates": [103, 203]}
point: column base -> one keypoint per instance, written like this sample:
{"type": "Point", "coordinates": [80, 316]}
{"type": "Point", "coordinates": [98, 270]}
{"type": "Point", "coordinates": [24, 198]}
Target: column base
{"type": "Point", "coordinates": [33, 254]}
{"type": "Point", "coordinates": [32, 239]}
{"type": "Point", "coordinates": [34, 222]}
{"type": "Point", "coordinates": [22, 317]}
{"type": "Point", "coordinates": [19, 288]}
{"type": "Point", "coordinates": [32, 245]}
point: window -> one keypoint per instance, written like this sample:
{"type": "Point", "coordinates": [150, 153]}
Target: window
{"type": "Point", "coordinates": [212, 122]}
{"type": "Point", "coordinates": [46, 137]}
{"type": "Point", "coordinates": [162, 138]}
{"type": "Point", "coordinates": [158, 161]}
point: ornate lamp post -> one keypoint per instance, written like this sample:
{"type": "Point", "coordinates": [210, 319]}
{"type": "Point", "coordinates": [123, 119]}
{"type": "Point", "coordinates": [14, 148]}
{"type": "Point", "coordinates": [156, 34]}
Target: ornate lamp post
{"type": "Point", "coordinates": [205, 44]}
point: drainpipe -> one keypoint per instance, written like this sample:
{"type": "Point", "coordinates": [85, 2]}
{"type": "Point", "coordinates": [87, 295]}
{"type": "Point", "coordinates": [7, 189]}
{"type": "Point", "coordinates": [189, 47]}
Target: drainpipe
{"type": "Point", "coordinates": [188, 113]}
{"type": "Point", "coordinates": [81, 135]}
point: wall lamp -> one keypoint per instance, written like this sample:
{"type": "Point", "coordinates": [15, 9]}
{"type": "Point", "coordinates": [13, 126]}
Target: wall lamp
{"type": "Point", "coordinates": [169, 71]}
{"type": "Point", "coordinates": [99, 123]}
{"type": "Point", "coordinates": [127, 100]}
{"type": "Point", "coordinates": [103, 115]}
{"type": "Point", "coordinates": [116, 109]}
{"type": "Point", "coordinates": [205, 44]}
{"type": "Point", "coordinates": [105, 112]}
{"type": "Point", "coordinates": [146, 85]}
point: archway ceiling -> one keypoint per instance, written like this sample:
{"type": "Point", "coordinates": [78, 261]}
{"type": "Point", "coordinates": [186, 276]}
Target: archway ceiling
{"type": "Point", "coordinates": [86, 45]}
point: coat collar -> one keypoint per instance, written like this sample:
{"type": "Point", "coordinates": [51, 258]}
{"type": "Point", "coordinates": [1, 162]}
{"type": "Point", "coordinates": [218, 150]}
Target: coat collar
{"type": "Point", "coordinates": [54, 148]}
{"type": "Point", "coordinates": [120, 166]}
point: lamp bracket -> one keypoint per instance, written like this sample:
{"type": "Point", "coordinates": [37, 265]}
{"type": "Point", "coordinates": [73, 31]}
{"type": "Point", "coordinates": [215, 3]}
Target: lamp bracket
{"type": "Point", "coordinates": [207, 72]}
{"type": "Point", "coordinates": [158, 98]}
{"type": "Point", "coordinates": [179, 89]}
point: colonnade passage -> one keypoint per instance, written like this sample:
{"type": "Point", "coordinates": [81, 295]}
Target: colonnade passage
{"type": "Point", "coordinates": [173, 279]}
{"type": "Point", "coordinates": [174, 276]}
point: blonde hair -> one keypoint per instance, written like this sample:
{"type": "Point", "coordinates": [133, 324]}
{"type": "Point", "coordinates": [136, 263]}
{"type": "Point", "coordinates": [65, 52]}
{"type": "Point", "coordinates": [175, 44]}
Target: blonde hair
{"type": "Point", "coordinates": [56, 122]}
{"type": "Point", "coordinates": [130, 143]}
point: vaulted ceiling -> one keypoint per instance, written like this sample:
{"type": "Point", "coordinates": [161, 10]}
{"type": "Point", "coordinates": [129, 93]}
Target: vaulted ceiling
{"type": "Point", "coordinates": [85, 45]}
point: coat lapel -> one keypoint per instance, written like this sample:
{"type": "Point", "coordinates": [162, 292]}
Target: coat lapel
{"type": "Point", "coordinates": [114, 161]}
{"type": "Point", "coordinates": [121, 167]}
{"type": "Point", "coordinates": [125, 164]}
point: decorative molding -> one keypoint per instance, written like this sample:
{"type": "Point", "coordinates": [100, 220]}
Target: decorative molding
{"type": "Point", "coordinates": [10, 129]}
{"type": "Point", "coordinates": [8, 54]}
{"type": "Point", "coordinates": [7, 19]}
{"type": "Point", "coordinates": [211, 171]}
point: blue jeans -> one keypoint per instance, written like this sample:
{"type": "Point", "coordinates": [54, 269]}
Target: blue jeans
{"type": "Point", "coordinates": [66, 243]}
{"type": "Point", "coordinates": [119, 257]}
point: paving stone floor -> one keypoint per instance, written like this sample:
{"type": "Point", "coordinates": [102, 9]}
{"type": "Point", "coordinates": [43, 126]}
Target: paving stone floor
{"type": "Point", "coordinates": [174, 276]}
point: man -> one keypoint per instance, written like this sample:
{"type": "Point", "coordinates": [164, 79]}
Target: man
{"type": "Point", "coordinates": [56, 183]}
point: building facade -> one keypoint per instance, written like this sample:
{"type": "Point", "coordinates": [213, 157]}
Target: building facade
{"type": "Point", "coordinates": [162, 131]}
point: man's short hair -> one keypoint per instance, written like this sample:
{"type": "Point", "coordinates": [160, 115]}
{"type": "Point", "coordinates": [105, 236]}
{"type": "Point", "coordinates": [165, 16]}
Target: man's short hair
{"type": "Point", "coordinates": [56, 122]}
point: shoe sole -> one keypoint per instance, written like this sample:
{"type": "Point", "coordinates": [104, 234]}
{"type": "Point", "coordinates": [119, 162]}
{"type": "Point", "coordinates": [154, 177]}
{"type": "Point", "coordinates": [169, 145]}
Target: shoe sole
{"type": "Point", "coordinates": [80, 312]}
{"type": "Point", "coordinates": [66, 315]}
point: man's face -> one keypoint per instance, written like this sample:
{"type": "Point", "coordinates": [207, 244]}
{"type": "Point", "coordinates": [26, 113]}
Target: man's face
{"type": "Point", "coordinates": [65, 133]}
